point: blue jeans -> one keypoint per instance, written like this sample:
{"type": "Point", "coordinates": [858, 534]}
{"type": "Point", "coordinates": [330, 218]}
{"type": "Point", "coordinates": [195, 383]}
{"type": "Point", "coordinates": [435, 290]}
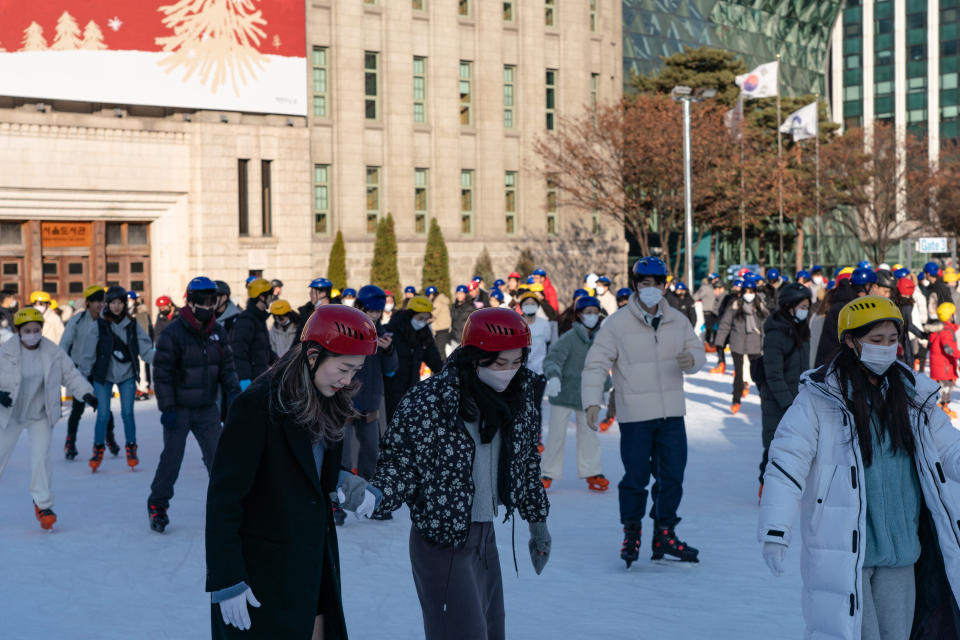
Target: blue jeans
{"type": "Point", "coordinates": [657, 447]}
{"type": "Point", "coordinates": [103, 391]}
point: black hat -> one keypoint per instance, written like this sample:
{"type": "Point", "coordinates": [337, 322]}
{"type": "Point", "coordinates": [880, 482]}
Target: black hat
{"type": "Point", "coordinates": [885, 278]}
{"type": "Point", "coordinates": [115, 292]}
{"type": "Point", "coordinates": [792, 294]}
{"type": "Point", "coordinates": [223, 289]}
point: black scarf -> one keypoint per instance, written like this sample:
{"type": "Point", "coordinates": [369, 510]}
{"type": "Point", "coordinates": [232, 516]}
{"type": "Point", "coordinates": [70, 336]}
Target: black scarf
{"type": "Point", "coordinates": [480, 403]}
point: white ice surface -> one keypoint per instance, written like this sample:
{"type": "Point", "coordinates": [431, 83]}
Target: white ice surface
{"type": "Point", "coordinates": [102, 574]}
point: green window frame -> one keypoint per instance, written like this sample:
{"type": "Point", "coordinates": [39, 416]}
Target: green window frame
{"type": "Point", "coordinates": [509, 96]}
{"type": "Point", "coordinates": [466, 93]}
{"type": "Point", "coordinates": [466, 201]}
{"type": "Point", "coordinates": [321, 199]}
{"type": "Point", "coordinates": [508, 11]}
{"type": "Point", "coordinates": [550, 13]}
{"type": "Point", "coordinates": [551, 99]}
{"type": "Point", "coordinates": [510, 202]}
{"type": "Point", "coordinates": [371, 85]}
{"type": "Point", "coordinates": [421, 199]}
{"type": "Point", "coordinates": [321, 85]}
{"type": "Point", "coordinates": [553, 203]}
{"type": "Point", "coordinates": [373, 199]}
{"type": "Point", "coordinates": [419, 89]}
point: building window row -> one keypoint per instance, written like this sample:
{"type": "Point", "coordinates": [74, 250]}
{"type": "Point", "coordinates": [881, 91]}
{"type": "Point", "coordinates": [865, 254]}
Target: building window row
{"type": "Point", "coordinates": [243, 197]}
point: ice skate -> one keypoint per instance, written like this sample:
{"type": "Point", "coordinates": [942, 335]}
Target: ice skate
{"type": "Point", "coordinates": [598, 483]}
{"type": "Point", "coordinates": [665, 543]}
{"type": "Point", "coordinates": [46, 517]}
{"type": "Point", "coordinates": [630, 551]}
{"type": "Point", "coordinates": [70, 448]}
{"type": "Point", "coordinates": [547, 481]}
{"type": "Point", "coordinates": [132, 458]}
{"type": "Point", "coordinates": [735, 408]}
{"type": "Point", "coordinates": [97, 458]}
{"type": "Point", "coordinates": [112, 444]}
{"type": "Point", "coordinates": [720, 368]}
{"type": "Point", "coordinates": [606, 424]}
{"type": "Point", "coordinates": [158, 518]}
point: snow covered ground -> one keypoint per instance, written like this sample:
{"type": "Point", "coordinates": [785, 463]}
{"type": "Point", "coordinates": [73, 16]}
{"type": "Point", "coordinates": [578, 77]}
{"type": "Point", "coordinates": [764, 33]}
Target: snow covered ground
{"type": "Point", "coordinates": [103, 574]}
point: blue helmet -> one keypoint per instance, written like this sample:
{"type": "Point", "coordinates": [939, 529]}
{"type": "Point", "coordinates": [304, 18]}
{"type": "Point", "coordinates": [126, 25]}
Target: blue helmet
{"type": "Point", "coordinates": [587, 301]}
{"type": "Point", "coordinates": [650, 266]}
{"type": "Point", "coordinates": [251, 279]}
{"type": "Point", "coordinates": [200, 283]}
{"type": "Point", "coordinates": [863, 264]}
{"type": "Point", "coordinates": [349, 292]}
{"type": "Point", "coordinates": [624, 292]}
{"type": "Point", "coordinates": [749, 284]}
{"type": "Point", "coordinates": [713, 276]}
{"type": "Point", "coordinates": [132, 295]}
{"type": "Point", "coordinates": [785, 278]}
{"type": "Point", "coordinates": [498, 283]}
{"type": "Point", "coordinates": [530, 280]}
{"type": "Point", "coordinates": [754, 277]}
{"type": "Point", "coordinates": [539, 272]}
{"type": "Point", "coordinates": [931, 268]}
{"type": "Point", "coordinates": [816, 269]}
{"type": "Point", "coordinates": [773, 275]}
{"type": "Point", "coordinates": [862, 276]}
{"type": "Point", "coordinates": [580, 292]}
{"type": "Point", "coordinates": [804, 274]}
{"type": "Point", "coordinates": [738, 283]}
{"type": "Point", "coordinates": [681, 286]}
{"type": "Point", "coordinates": [410, 289]}
{"type": "Point", "coordinates": [831, 284]}
{"type": "Point", "coordinates": [497, 294]}
{"type": "Point", "coordinates": [478, 278]}
{"type": "Point", "coordinates": [603, 280]}
{"type": "Point", "coordinates": [463, 288]}
{"type": "Point", "coordinates": [901, 273]}
{"type": "Point", "coordinates": [371, 297]}
{"type": "Point", "coordinates": [321, 283]}
{"type": "Point", "coordinates": [431, 291]}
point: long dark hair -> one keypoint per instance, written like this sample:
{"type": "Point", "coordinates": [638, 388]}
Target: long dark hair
{"type": "Point", "coordinates": [864, 398]}
{"type": "Point", "coordinates": [297, 398]}
{"type": "Point", "coordinates": [799, 330]}
{"type": "Point", "coordinates": [758, 309]}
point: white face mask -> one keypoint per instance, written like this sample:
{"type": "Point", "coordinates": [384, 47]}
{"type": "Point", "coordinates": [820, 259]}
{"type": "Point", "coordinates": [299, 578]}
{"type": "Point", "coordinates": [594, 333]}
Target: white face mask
{"type": "Point", "coordinates": [388, 307]}
{"type": "Point", "coordinates": [650, 296]}
{"type": "Point", "coordinates": [801, 314]}
{"type": "Point", "coordinates": [818, 279]}
{"type": "Point", "coordinates": [496, 380]}
{"type": "Point", "coordinates": [590, 320]}
{"type": "Point", "coordinates": [600, 290]}
{"type": "Point", "coordinates": [417, 324]}
{"type": "Point", "coordinates": [349, 301]}
{"type": "Point", "coordinates": [30, 339]}
{"type": "Point", "coordinates": [877, 358]}
{"type": "Point", "coordinates": [530, 309]}
{"type": "Point", "coordinates": [749, 297]}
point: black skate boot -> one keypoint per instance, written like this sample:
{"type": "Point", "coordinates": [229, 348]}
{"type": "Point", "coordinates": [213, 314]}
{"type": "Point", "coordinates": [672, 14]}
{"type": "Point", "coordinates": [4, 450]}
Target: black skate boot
{"type": "Point", "coordinates": [70, 448]}
{"type": "Point", "coordinates": [665, 542]}
{"type": "Point", "coordinates": [112, 444]}
{"type": "Point", "coordinates": [339, 515]}
{"type": "Point", "coordinates": [630, 551]}
{"type": "Point", "coordinates": [158, 518]}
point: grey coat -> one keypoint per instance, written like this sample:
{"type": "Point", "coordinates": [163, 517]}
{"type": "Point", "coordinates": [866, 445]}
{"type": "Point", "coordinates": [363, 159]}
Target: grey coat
{"type": "Point", "coordinates": [565, 361]}
{"type": "Point", "coordinates": [734, 326]}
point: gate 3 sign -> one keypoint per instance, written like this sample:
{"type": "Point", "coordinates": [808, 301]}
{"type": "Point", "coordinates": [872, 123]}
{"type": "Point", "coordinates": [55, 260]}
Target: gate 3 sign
{"type": "Point", "coordinates": [932, 245]}
{"type": "Point", "coordinates": [230, 55]}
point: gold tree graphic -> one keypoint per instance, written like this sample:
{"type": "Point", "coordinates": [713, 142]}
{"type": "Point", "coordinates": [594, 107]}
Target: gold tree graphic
{"type": "Point", "coordinates": [33, 39]}
{"type": "Point", "coordinates": [215, 38]}
{"type": "Point", "coordinates": [67, 34]}
{"type": "Point", "coordinates": [92, 37]}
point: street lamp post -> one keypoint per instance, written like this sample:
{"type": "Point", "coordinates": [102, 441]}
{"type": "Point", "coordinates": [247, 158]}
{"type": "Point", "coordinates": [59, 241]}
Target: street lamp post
{"type": "Point", "coordinates": [686, 95]}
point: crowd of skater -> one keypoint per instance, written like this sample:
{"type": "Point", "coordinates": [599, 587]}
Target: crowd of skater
{"type": "Point", "coordinates": [361, 401]}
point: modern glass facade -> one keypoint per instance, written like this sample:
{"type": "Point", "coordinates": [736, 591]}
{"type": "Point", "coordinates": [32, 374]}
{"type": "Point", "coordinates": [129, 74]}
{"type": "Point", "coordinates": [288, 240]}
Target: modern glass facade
{"type": "Point", "coordinates": [757, 30]}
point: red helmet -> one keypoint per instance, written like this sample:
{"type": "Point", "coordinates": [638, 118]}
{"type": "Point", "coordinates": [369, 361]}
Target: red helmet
{"type": "Point", "coordinates": [514, 275]}
{"type": "Point", "coordinates": [342, 330]}
{"type": "Point", "coordinates": [496, 329]}
{"type": "Point", "coordinates": [164, 301]}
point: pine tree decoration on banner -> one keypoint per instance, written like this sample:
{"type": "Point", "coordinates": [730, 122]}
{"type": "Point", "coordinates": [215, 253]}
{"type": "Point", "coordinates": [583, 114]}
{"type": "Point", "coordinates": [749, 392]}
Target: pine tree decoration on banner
{"type": "Point", "coordinates": [436, 266]}
{"type": "Point", "coordinates": [33, 39]}
{"type": "Point", "coordinates": [216, 39]}
{"type": "Point", "coordinates": [92, 38]}
{"type": "Point", "coordinates": [337, 265]}
{"type": "Point", "coordinates": [383, 270]}
{"type": "Point", "coordinates": [67, 36]}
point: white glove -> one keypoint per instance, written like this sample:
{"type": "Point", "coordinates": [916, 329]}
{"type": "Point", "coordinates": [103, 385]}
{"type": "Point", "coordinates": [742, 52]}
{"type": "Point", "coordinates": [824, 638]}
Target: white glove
{"type": "Point", "coordinates": [365, 510]}
{"type": "Point", "coordinates": [553, 387]}
{"type": "Point", "coordinates": [773, 555]}
{"type": "Point", "coordinates": [234, 610]}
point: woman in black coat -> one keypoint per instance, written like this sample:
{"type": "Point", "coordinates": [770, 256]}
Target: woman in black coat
{"type": "Point", "coordinates": [786, 354]}
{"type": "Point", "coordinates": [414, 345]}
{"type": "Point", "coordinates": [271, 542]}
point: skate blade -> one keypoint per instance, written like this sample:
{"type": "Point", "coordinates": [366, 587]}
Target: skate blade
{"type": "Point", "coordinates": [675, 562]}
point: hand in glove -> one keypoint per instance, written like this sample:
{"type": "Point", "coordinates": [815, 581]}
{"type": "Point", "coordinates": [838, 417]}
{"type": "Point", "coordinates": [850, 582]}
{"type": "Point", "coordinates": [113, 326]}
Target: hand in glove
{"type": "Point", "coordinates": [5, 399]}
{"type": "Point", "coordinates": [773, 555]}
{"type": "Point", "coordinates": [947, 350]}
{"type": "Point", "coordinates": [234, 610]}
{"type": "Point", "coordinates": [553, 387]}
{"type": "Point", "coordinates": [168, 419]}
{"type": "Point", "coordinates": [367, 507]}
{"type": "Point", "coordinates": [685, 360]}
{"type": "Point", "coordinates": [592, 414]}
{"type": "Point", "coordinates": [350, 492]}
{"type": "Point", "coordinates": [90, 400]}
{"type": "Point", "coordinates": [539, 545]}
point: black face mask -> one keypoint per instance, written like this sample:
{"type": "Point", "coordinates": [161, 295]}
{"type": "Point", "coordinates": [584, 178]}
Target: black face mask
{"type": "Point", "coordinates": [202, 315]}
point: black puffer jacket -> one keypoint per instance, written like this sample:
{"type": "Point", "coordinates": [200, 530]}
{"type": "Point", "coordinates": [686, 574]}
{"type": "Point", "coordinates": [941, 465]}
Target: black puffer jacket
{"type": "Point", "coordinates": [412, 348]}
{"type": "Point", "coordinates": [459, 312]}
{"type": "Point", "coordinates": [163, 321]}
{"type": "Point", "coordinates": [426, 458]}
{"type": "Point", "coordinates": [191, 363]}
{"type": "Point", "coordinates": [685, 305]}
{"type": "Point", "coordinates": [786, 353]}
{"type": "Point", "coordinates": [829, 342]}
{"type": "Point", "coordinates": [250, 342]}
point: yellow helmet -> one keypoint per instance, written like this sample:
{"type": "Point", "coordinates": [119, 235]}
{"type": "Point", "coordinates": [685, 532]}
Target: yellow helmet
{"type": "Point", "coordinates": [864, 311]}
{"type": "Point", "coordinates": [258, 287]}
{"type": "Point", "coordinates": [39, 296]}
{"type": "Point", "coordinates": [419, 304]}
{"type": "Point", "coordinates": [280, 307]}
{"type": "Point", "coordinates": [536, 286]}
{"type": "Point", "coordinates": [896, 267]}
{"type": "Point", "coordinates": [92, 290]}
{"type": "Point", "coordinates": [950, 275]}
{"type": "Point", "coordinates": [54, 305]}
{"type": "Point", "coordinates": [527, 295]}
{"type": "Point", "coordinates": [335, 293]}
{"type": "Point", "coordinates": [846, 270]}
{"type": "Point", "coordinates": [945, 311]}
{"type": "Point", "coordinates": [27, 315]}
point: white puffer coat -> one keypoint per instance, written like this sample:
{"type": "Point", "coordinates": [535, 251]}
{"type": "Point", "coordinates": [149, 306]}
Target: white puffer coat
{"type": "Point", "coordinates": [816, 467]}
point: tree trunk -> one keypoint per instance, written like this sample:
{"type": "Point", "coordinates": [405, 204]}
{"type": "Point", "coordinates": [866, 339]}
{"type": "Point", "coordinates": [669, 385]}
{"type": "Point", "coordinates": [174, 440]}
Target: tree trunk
{"type": "Point", "coordinates": [713, 250]}
{"type": "Point", "coordinates": [798, 262]}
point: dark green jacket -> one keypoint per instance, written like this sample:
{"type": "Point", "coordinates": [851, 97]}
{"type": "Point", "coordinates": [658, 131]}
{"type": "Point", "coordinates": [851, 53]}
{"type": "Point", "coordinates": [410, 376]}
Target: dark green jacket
{"type": "Point", "coordinates": [565, 361]}
{"type": "Point", "coordinates": [784, 361]}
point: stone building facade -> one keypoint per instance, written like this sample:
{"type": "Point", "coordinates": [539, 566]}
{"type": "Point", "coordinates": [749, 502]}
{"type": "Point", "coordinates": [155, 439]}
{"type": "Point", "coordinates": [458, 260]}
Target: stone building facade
{"type": "Point", "coordinates": [418, 108]}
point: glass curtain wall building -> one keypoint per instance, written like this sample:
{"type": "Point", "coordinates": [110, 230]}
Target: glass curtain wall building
{"type": "Point", "coordinates": [757, 30]}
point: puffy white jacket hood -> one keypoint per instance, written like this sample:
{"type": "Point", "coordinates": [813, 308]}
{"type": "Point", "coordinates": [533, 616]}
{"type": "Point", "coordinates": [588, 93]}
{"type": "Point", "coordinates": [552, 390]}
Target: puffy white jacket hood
{"type": "Point", "coordinates": [816, 468]}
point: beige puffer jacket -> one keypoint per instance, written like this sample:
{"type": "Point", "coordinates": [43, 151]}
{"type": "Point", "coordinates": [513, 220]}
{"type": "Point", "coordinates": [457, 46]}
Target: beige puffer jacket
{"type": "Point", "coordinates": [646, 376]}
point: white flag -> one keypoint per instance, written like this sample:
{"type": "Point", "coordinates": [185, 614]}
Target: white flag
{"type": "Point", "coordinates": [802, 123]}
{"type": "Point", "coordinates": [759, 83]}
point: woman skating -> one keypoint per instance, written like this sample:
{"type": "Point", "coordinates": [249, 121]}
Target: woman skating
{"type": "Point", "coordinates": [742, 323]}
{"type": "Point", "coordinates": [864, 454]}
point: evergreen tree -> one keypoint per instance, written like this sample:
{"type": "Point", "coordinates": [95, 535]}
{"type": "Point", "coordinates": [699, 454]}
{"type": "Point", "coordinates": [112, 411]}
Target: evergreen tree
{"type": "Point", "coordinates": [436, 266]}
{"type": "Point", "coordinates": [33, 39]}
{"type": "Point", "coordinates": [484, 267]}
{"type": "Point", "coordinates": [337, 266]}
{"type": "Point", "coordinates": [525, 263]}
{"type": "Point", "coordinates": [92, 37]}
{"type": "Point", "coordinates": [68, 36]}
{"type": "Point", "coordinates": [383, 269]}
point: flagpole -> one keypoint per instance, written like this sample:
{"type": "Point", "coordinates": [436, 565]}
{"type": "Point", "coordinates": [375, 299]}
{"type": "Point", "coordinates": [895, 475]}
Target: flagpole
{"type": "Point", "coordinates": [779, 165]}
{"type": "Point", "coordinates": [817, 148]}
{"type": "Point", "coordinates": [743, 224]}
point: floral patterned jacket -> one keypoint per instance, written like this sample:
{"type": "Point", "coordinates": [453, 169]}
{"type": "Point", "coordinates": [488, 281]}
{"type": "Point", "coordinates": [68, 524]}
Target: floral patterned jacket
{"type": "Point", "coordinates": [426, 459]}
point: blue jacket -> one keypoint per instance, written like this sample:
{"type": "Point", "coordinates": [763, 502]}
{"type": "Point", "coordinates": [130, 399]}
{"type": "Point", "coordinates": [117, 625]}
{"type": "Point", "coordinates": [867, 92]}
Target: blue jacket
{"type": "Point", "coordinates": [375, 367]}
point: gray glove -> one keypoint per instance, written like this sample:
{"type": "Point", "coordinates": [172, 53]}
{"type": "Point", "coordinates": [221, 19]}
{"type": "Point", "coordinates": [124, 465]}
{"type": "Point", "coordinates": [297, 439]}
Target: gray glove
{"type": "Point", "coordinates": [351, 492]}
{"type": "Point", "coordinates": [685, 360]}
{"type": "Point", "coordinates": [539, 545]}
